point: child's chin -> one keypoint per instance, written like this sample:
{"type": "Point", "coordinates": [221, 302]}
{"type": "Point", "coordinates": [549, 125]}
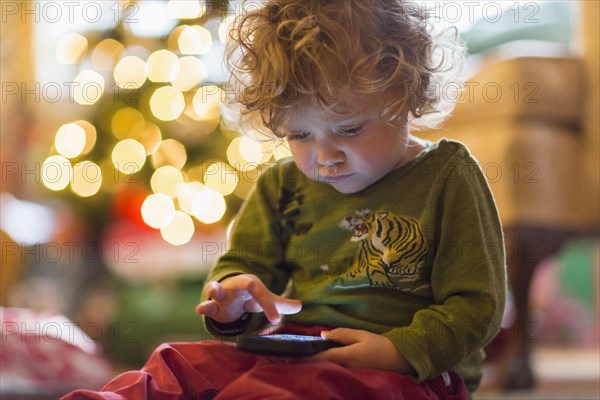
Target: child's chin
{"type": "Point", "coordinates": [346, 188]}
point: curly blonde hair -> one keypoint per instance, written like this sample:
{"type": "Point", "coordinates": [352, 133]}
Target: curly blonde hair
{"type": "Point", "coordinates": [290, 51]}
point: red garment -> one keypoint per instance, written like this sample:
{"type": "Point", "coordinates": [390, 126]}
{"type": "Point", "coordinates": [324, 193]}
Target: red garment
{"type": "Point", "coordinates": [214, 370]}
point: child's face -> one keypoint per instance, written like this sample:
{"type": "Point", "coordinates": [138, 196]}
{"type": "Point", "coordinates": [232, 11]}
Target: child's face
{"type": "Point", "coordinates": [347, 151]}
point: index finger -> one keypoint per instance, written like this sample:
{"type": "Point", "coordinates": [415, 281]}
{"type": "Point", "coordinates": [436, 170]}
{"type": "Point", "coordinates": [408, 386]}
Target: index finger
{"type": "Point", "coordinates": [284, 306]}
{"type": "Point", "coordinates": [265, 299]}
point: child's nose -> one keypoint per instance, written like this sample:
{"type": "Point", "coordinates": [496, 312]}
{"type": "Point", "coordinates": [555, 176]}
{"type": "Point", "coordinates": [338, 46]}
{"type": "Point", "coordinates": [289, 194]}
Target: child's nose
{"type": "Point", "coordinates": [328, 154]}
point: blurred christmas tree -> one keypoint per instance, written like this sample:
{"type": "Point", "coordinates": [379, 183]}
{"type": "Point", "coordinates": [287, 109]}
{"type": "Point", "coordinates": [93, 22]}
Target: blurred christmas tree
{"type": "Point", "coordinates": [152, 155]}
{"type": "Point", "coordinates": [155, 151]}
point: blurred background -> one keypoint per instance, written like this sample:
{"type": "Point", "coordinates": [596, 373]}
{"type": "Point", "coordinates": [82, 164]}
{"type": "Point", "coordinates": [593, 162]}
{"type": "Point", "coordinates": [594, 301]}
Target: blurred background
{"type": "Point", "coordinates": [119, 182]}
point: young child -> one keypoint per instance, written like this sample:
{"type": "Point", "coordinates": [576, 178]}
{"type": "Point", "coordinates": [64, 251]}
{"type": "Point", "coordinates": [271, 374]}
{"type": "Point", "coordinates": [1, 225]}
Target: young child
{"type": "Point", "coordinates": [387, 244]}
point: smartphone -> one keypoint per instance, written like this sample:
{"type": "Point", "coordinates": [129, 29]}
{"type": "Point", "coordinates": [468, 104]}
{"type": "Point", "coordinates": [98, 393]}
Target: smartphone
{"type": "Point", "coordinates": [285, 344]}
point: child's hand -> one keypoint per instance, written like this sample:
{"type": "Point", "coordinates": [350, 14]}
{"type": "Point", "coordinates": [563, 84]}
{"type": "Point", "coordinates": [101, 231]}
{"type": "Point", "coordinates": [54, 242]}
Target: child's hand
{"type": "Point", "coordinates": [233, 296]}
{"type": "Point", "coordinates": [363, 349]}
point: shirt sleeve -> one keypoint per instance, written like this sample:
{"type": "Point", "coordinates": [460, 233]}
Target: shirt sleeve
{"type": "Point", "coordinates": [255, 247]}
{"type": "Point", "coordinates": [468, 278]}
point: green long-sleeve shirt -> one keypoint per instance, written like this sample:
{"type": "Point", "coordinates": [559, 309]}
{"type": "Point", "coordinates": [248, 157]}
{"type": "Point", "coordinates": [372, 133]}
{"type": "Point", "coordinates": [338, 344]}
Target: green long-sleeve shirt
{"type": "Point", "coordinates": [417, 257]}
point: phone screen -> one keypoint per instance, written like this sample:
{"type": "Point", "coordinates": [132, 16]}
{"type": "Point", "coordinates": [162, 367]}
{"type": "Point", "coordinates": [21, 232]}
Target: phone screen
{"type": "Point", "coordinates": [285, 344]}
{"type": "Point", "coordinates": [296, 338]}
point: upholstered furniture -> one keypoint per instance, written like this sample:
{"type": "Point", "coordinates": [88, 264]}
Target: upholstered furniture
{"type": "Point", "coordinates": [523, 119]}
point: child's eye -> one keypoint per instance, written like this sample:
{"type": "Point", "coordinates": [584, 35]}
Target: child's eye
{"type": "Point", "coordinates": [298, 136]}
{"type": "Point", "coordinates": [350, 131]}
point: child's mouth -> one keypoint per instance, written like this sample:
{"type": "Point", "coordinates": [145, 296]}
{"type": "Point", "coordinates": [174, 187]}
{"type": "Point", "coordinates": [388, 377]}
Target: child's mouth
{"type": "Point", "coordinates": [336, 178]}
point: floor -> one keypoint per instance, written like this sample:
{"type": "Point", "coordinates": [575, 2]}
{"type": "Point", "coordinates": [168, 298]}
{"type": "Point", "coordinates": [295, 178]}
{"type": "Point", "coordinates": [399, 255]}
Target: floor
{"type": "Point", "coordinates": [561, 374]}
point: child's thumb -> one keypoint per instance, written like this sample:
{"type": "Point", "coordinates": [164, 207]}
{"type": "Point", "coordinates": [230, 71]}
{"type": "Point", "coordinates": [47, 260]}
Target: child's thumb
{"type": "Point", "coordinates": [342, 335]}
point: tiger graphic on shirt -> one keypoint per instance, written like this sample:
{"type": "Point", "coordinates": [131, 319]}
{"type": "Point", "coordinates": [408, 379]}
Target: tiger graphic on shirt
{"type": "Point", "coordinates": [392, 250]}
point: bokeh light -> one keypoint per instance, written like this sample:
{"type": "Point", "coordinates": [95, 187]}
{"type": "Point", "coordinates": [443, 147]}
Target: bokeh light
{"type": "Point", "coordinates": [173, 39]}
{"type": "Point", "coordinates": [195, 39]}
{"type": "Point", "coordinates": [208, 206]}
{"type": "Point", "coordinates": [166, 180]}
{"type": "Point", "coordinates": [105, 54]}
{"type": "Point", "coordinates": [71, 49]}
{"type": "Point", "coordinates": [158, 210]}
{"type": "Point", "coordinates": [127, 123]}
{"type": "Point", "coordinates": [88, 87]}
{"type": "Point", "coordinates": [250, 150]}
{"type": "Point", "coordinates": [207, 102]}
{"type": "Point", "coordinates": [130, 72]}
{"type": "Point", "coordinates": [185, 195]}
{"type": "Point", "coordinates": [128, 156]}
{"type": "Point", "coordinates": [180, 230]}
{"type": "Point", "coordinates": [234, 157]}
{"type": "Point", "coordinates": [90, 135]}
{"type": "Point", "coordinates": [162, 66]}
{"type": "Point", "coordinates": [221, 177]}
{"type": "Point", "coordinates": [192, 73]}
{"type": "Point", "coordinates": [206, 127]}
{"type": "Point", "coordinates": [225, 27]}
{"type": "Point", "coordinates": [170, 152]}
{"type": "Point", "coordinates": [87, 178]}
{"type": "Point", "coordinates": [151, 138]}
{"type": "Point", "coordinates": [185, 9]}
{"type": "Point", "coordinates": [175, 93]}
{"type": "Point", "coordinates": [56, 172]}
{"type": "Point", "coordinates": [70, 140]}
{"type": "Point", "coordinates": [167, 103]}
{"type": "Point", "coordinates": [246, 153]}
{"type": "Point", "coordinates": [147, 19]}
{"type": "Point", "coordinates": [136, 50]}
